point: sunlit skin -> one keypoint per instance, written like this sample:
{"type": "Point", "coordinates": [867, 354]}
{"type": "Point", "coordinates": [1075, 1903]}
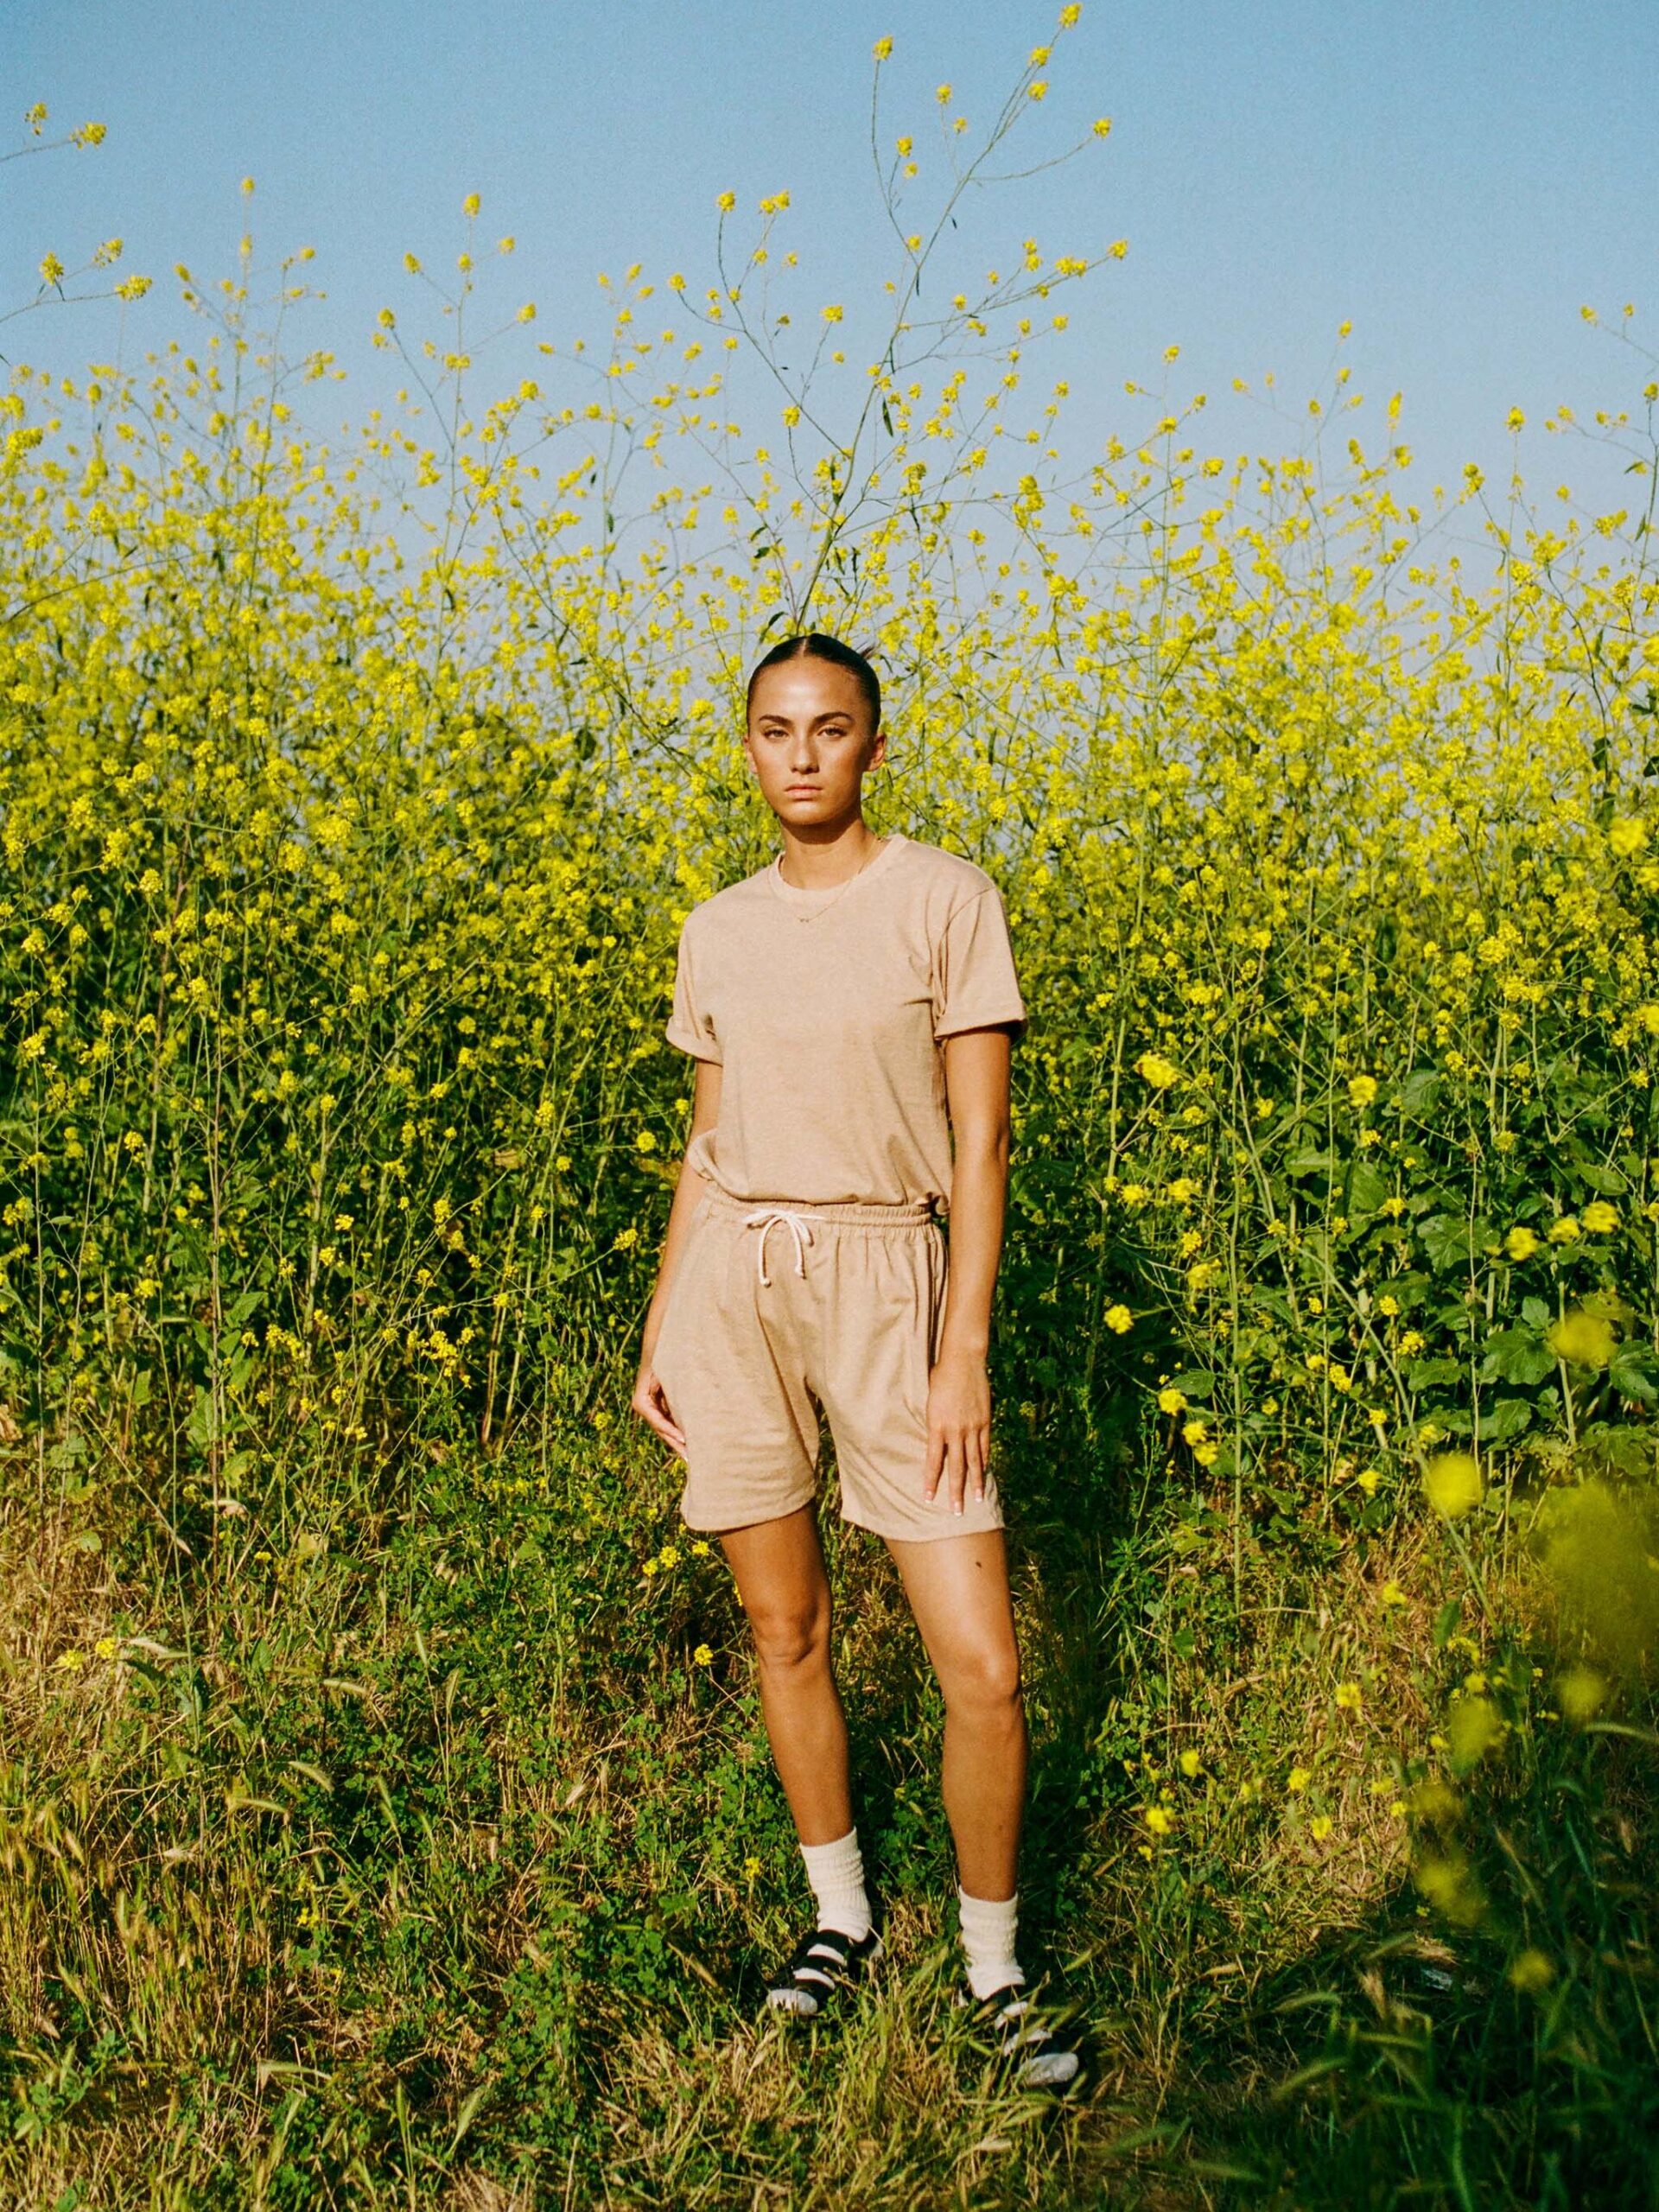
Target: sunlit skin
{"type": "Point", "coordinates": [810, 743]}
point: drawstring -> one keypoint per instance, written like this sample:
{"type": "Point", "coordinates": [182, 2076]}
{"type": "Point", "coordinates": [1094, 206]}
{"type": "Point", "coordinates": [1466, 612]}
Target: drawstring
{"type": "Point", "coordinates": [799, 1227]}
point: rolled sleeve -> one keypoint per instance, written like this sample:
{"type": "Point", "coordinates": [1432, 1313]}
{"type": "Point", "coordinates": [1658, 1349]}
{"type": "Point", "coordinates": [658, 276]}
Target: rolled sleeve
{"type": "Point", "coordinates": [976, 985]}
{"type": "Point", "coordinates": [690, 1027]}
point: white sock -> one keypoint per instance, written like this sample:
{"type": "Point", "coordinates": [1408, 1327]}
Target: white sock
{"type": "Point", "coordinates": [988, 1931]}
{"type": "Point", "coordinates": [836, 1873]}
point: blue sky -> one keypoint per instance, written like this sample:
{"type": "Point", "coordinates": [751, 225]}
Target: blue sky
{"type": "Point", "coordinates": [1455, 176]}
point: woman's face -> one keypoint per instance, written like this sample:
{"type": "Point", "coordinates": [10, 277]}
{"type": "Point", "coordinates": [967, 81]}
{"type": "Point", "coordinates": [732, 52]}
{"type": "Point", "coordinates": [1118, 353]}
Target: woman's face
{"type": "Point", "coordinates": [811, 741]}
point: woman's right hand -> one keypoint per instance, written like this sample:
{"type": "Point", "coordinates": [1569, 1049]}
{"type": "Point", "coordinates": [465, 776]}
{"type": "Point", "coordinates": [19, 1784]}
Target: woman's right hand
{"type": "Point", "coordinates": [650, 1401]}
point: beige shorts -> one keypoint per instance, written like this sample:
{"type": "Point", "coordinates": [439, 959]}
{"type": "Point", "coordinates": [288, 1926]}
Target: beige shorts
{"type": "Point", "coordinates": [777, 1313]}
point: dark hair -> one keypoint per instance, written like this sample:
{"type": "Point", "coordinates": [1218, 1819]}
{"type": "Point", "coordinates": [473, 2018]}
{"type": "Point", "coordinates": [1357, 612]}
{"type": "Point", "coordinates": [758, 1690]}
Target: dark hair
{"type": "Point", "coordinates": [815, 644]}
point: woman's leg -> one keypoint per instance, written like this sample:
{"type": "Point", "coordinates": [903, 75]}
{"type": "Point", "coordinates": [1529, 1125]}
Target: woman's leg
{"type": "Point", "coordinates": [958, 1591]}
{"type": "Point", "coordinates": [779, 1567]}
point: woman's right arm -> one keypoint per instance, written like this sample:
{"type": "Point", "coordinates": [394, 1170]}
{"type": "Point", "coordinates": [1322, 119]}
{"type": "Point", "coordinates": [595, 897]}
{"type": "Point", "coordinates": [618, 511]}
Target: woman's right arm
{"type": "Point", "coordinates": [648, 1401]}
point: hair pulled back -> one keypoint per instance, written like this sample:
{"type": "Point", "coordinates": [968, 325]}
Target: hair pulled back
{"type": "Point", "coordinates": [818, 644]}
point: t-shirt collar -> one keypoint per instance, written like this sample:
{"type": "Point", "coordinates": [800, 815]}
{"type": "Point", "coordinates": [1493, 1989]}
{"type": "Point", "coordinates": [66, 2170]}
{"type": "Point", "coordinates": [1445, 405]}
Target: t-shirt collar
{"type": "Point", "coordinates": [799, 897]}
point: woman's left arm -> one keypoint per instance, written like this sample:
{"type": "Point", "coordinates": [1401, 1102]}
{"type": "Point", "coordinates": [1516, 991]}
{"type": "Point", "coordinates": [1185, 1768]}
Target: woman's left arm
{"type": "Point", "coordinates": [976, 1067]}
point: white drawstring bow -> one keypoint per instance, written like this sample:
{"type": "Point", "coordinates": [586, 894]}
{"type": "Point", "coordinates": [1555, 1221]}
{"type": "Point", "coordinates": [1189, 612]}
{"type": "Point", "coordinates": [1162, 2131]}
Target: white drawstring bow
{"type": "Point", "coordinates": [798, 1226]}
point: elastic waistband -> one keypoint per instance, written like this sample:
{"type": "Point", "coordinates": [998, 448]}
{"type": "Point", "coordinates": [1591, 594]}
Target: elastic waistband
{"type": "Point", "coordinates": [911, 1215]}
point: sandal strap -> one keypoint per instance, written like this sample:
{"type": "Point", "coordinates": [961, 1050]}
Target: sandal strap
{"type": "Point", "coordinates": [821, 1957]}
{"type": "Point", "coordinates": [1033, 2038]}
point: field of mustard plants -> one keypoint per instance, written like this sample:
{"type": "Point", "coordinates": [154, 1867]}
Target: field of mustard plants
{"type": "Point", "coordinates": [385, 1816]}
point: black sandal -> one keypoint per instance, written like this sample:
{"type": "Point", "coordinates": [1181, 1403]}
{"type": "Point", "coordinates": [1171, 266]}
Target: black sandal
{"type": "Point", "coordinates": [1041, 2055]}
{"type": "Point", "coordinates": [823, 1966]}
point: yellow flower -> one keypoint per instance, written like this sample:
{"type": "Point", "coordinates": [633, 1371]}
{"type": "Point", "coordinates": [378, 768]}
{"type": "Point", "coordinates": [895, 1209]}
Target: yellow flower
{"type": "Point", "coordinates": [725, 202]}
{"type": "Point", "coordinates": [1171, 1401]}
{"type": "Point", "coordinates": [1161, 1073]}
{"type": "Point", "coordinates": [1627, 838]}
{"type": "Point", "coordinates": [1580, 1694]}
{"type": "Point", "coordinates": [699, 1550]}
{"type": "Point", "coordinates": [1473, 1726]}
{"type": "Point", "coordinates": [882, 48]}
{"type": "Point", "coordinates": [1119, 1319]}
{"type": "Point", "coordinates": [1565, 1230]}
{"type": "Point", "coordinates": [1521, 1243]}
{"type": "Point", "coordinates": [1394, 1595]}
{"type": "Point", "coordinates": [832, 314]}
{"type": "Point", "coordinates": [750, 1867]}
{"type": "Point", "coordinates": [1584, 1339]}
{"type": "Point", "coordinates": [1531, 1971]}
{"type": "Point", "coordinates": [1191, 1765]}
{"type": "Point", "coordinates": [1102, 125]}
{"type": "Point", "coordinates": [1348, 1696]}
{"type": "Point", "coordinates": [1435, 1802]}
{"type": "Point", "coordinates": [1450, 1884]}
{"type": "Point", "coordinates": [1453, 1484]}
{"type": "Point", "coordinates": [1158, 1820]}
{"type": "Point", "coordinates": [1319, 1826]}
{"type": "Point", "coordinates": [1599, 1217]}
{"type": "Point", "coordinates": [1298, 1779]}
{"type": "Point", "coordinates": [1362, 1090]}
{"type": "Point", "coordinates": [106, 1647]}
{"type": "Point", "coordinates": [703, 1656]}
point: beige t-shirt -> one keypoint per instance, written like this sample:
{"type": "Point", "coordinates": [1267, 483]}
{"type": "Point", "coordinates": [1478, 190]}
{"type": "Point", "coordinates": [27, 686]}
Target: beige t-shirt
{"type": "Point", "coordinates": [827, 1011]}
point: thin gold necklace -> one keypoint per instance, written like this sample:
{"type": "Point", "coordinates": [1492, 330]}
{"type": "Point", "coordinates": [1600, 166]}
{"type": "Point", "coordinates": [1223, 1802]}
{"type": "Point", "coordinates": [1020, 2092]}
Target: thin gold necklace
{"type": "Point", "coordinates": [840, 890]}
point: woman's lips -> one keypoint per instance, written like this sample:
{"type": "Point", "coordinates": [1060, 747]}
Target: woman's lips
{"type": "Point", "coordinates": [802, 791]}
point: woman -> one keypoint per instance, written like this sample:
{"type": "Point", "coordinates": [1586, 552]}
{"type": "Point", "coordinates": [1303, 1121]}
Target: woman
{"type": "Point", "coordinates": [851, 1007]}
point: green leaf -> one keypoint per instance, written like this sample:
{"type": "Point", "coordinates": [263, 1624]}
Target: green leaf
{"type": "Point", "coordinates": [1445, 1238]}
{"type": "Point", "coordinates": [1607, 1180]}
{"type": "Point", "coordinates": [1445, 1621]}
{"type": "Point", "coordinates": [1536, 1313]}
{"type": "Point", "coordinates": [1517, 1356]}
{"type": "Point", "coordinates": [1197, 1382]}
{"type": "Point", "coordinates": [1503, 1422]}
{"type": "Point", "coordinates": [1428, 1373]}
{"type": "Point", "coordinates": [1633, 1374]}
{"type": "Point", "coordinates": [1310, 1163]}
{"type": "Point", "coordinates": [1420, 1091]}
{"type": "Point", "coordinates": [1366, 1188]}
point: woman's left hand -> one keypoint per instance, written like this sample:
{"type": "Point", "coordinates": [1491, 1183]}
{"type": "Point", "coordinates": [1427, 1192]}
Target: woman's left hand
{"type": "Point", "coordinates": [958, 1427]}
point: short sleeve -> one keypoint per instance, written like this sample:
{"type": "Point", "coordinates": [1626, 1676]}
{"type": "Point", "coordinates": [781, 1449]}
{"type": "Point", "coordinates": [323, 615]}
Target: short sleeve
{"type": "Point", "coordinates": [690, 1028]}
{"type": "Point", "coordinates": [975, 984]}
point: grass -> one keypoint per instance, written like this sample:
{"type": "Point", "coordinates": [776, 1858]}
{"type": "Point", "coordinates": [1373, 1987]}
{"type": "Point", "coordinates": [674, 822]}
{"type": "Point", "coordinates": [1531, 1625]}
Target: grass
{"type": "Point", "coordinates": [421, 1864]}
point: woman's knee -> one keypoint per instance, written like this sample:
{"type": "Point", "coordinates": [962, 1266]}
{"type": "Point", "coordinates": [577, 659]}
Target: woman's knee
{"type": "Point", "coordinates": [790, 1639]}
{"type": "Point", "coordinates": [983, 1678]}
